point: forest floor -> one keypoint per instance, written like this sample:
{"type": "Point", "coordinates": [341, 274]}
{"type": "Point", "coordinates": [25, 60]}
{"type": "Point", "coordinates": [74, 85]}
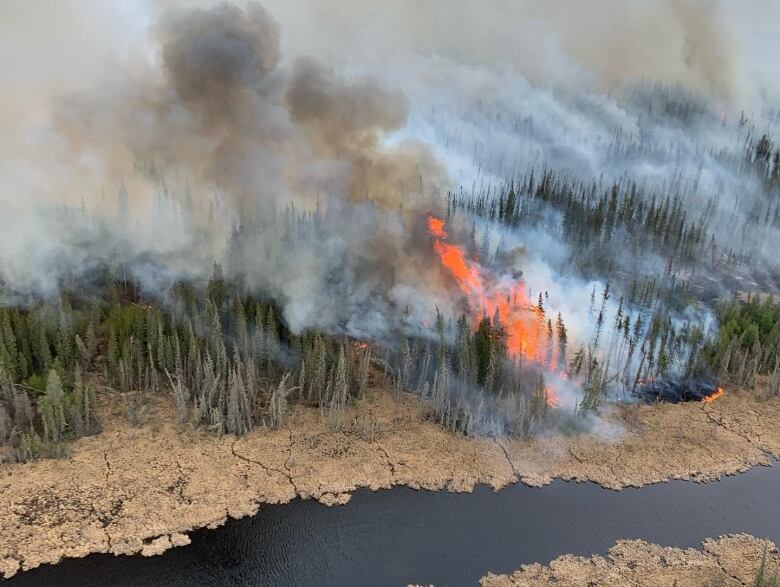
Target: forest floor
{"type": "Point", "coordinates": [130, 490]}
{"type": "Point", "coordinates": [730, 561]}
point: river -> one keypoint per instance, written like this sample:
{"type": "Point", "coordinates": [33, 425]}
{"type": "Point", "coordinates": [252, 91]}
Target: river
{"type": "Point", "coordinates": [401, 536]}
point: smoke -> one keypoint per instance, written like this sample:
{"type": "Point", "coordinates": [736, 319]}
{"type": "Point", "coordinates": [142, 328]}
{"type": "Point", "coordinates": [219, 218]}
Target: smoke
{"type": "Point", "coordinates": [347, 122]}
{"type": "Point", "coordinates": [220, 110]}
{"type": "Point", "coordinates": [603, 43]}
{"type": "Point", "coordinates": [215, 59]}
{"type": "Point", "coordinates": [216, 118]}
{"type": "Point", "coordinates": [213, 142]}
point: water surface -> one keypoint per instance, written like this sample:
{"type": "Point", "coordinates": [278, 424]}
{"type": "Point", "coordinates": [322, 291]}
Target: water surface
{"type": "Point", "coordinates": [399, 536]}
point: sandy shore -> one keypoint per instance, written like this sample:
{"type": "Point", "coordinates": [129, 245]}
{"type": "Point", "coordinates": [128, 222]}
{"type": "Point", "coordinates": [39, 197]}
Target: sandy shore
{"type": "Point", "coordinates": [131, 490]}
{"type": "Point", "coordinates": [730, 561]}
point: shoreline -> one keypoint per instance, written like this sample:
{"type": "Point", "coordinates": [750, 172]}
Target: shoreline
{"type": "Point", "coordinates": [730, 560]}
{"type": "Point", "coordinates": [141, 490]}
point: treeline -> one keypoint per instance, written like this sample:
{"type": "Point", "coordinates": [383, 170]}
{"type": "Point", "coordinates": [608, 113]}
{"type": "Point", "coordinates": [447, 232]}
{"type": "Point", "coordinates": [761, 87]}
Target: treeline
{"type": "Point", "coordinates": [228, 360]}
{"type": "Point", "coordinates": [474, 385]}
{"type": "Point", "coordinates": [612, 226]}
{"type": "Point", "coordinates": [230, 364]}
{"type": "Point", "coordinates": [594, 221]}
{"type": "Point", "coordinates": [762, 157]}
{"type": "Point", "coordinates": [471, 383]}
{"type": "Point", "coordinates": [747, 344]}
{"type": "Point", "coordinates": [45, 398]}
{"type": "Point", "coordinates": [613, 232]}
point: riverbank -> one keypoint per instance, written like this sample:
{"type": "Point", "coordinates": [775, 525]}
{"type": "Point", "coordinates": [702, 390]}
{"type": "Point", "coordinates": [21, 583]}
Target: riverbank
{"type": "Point", "coordinates": [729, 561]}
{"type": "Point", "coordinates": [132, 490]}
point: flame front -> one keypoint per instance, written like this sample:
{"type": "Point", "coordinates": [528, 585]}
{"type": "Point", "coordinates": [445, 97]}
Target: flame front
{"type": "Point", "coordinates": [488, 294]}
{"type": "Point", "coordinates": [715, 395]}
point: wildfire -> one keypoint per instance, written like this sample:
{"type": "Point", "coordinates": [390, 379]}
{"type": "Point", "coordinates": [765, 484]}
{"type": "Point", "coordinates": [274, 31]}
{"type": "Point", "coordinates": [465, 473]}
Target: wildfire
{"type": "Point", "coordinates": [436, 227]}
{"type": "Point", "coordinates": [486, 294]}
{"type": "Point", "coordinates": [551, 398]}
{"type": "Point", "coordinates": [715, 395]}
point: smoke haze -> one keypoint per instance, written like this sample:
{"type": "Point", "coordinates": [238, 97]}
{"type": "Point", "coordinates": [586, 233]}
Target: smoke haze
{"type": "Point", "coordinates": [180, 123]}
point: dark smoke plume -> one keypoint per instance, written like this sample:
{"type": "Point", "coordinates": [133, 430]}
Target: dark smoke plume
{"type": "Point", "coordinates": [223, 111]}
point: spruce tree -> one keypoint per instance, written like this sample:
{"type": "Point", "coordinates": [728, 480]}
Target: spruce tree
{"type": "Point", "coordinates": [340, 386]}
{"type": "Point", "coordinates": [52, 409]}
{"type": "Point", "coordinates": [562, 343]}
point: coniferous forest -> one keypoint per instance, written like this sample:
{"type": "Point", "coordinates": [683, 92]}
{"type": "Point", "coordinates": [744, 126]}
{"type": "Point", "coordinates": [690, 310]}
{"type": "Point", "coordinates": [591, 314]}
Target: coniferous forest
{"type": "Point", "coordinates": [556, 275]}
{"type": "Point", "coordinates": [228, 361]}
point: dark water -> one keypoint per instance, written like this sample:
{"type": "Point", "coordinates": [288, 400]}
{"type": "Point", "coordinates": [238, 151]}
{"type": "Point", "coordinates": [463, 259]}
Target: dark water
{"type": "Point", "coordinates": [399, 536]}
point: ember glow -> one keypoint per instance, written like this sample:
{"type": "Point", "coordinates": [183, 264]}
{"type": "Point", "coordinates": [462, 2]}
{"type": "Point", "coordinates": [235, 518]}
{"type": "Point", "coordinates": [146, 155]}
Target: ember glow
{"type": "Point", "coordinates": [713, 396]}
{"type": "Point", "coordinates": [551, 398]}
{"type": "Point", "coordinates": [487, 293]}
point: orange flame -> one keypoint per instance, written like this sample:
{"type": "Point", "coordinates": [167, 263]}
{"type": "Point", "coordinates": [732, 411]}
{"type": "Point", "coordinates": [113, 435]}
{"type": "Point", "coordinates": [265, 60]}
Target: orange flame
{"type": "Point", "coordinates": [551, 398]}
{"type": "Point", "coordinates": [715, 395]}
{"type": "Point", "coordinates": [486, 294]}
{"type": "Point", "coordinates": [436, 227]}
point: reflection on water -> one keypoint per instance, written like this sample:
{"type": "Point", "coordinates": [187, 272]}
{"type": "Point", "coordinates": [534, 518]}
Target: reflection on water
{"type": "Point", "coordinates": [400, 536]}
